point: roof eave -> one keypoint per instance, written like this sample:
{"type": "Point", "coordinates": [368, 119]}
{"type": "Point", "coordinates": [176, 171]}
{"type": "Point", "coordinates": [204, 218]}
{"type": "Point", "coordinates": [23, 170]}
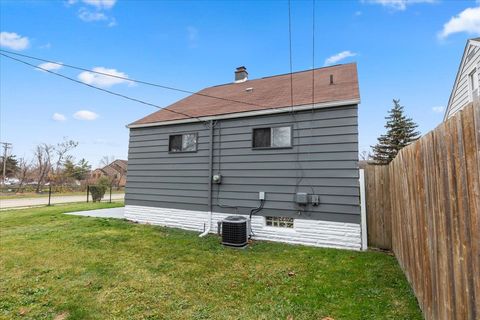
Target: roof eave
{"type": "Point", "coordinates": [253, 113]}
{"type": "Point", "coordinates": [467, 45]}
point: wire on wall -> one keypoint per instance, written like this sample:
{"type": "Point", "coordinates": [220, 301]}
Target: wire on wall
{"type": "Point", "coordinates": [313, 85]}
{"type": "Point", "coordinates": [298, 165]}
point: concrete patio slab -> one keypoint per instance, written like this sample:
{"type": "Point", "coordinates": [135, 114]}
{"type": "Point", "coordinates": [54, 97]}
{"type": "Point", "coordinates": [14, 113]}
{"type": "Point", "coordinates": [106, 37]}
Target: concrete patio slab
{"type": "Point", "coordinates": [117, 213]}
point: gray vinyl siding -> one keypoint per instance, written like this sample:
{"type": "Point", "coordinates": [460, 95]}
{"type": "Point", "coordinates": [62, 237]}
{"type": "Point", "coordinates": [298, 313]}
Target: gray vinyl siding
{"type": "Point", "coordinates": [325, 152]}
{"type": "Point", "coordinates": [461, 95]}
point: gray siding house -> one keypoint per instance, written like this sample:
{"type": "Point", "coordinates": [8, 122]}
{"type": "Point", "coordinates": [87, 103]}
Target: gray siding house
{"type": "Point", "coordinates": [466, 86]}
{"type": "Point", "coordinates": [219, 152]}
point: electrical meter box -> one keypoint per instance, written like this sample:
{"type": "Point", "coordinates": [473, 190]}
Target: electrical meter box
{"type": "Point", "coordinates": [301, 198]}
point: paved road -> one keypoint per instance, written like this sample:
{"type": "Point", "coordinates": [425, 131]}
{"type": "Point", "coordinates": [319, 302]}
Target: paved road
{"type": "Point", "coordinates": [31, 202]}
{"type": "Point", "coordinates": [101, 213]}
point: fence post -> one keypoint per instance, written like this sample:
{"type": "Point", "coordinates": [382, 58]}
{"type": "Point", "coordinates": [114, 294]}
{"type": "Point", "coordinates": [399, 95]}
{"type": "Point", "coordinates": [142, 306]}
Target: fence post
{"type": "Point", "coordinates": [110, 193]}
{"type": "Point", "coordinates": [49, 193]}
{"type": "Point", "coordinates": [363, 211]}
{"type": "Point", "coordinates": [88, 191]}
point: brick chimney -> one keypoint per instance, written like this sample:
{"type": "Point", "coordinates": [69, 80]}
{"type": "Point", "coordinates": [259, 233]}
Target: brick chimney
{"type": "Point", "coordinates": [241, 74]}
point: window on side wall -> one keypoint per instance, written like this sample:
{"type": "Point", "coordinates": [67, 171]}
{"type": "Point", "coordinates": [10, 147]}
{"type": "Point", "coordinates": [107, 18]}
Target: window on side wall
{"type": "Point", "coordinates": [186, 142]}
{"type": "Point", "coordinates": [279, 222]}
{"type": "Point", "coordinates": [473, 77]}
{"type": "Point", "coordinates": [274, 137]}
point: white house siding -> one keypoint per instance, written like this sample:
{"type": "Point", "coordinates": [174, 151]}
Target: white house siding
{"type": "Point", "coordinates": [461, 92]}
{"type": "Point", "coordinates": [318, 233]}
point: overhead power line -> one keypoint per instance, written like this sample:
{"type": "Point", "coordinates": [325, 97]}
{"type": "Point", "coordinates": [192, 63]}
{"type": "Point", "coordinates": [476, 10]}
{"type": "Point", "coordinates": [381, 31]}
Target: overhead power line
{"type": "Point", "coordinates": [129, 79]}
{"type": "Point", "coordinates": [98, 88]}
{"type": "Point", "coordinates": [313, 52]}
{"type": "Point", "coordinates": [290, 51]}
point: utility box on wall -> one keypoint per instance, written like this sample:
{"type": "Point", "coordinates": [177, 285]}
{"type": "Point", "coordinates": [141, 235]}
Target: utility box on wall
{"type": "Point", "coordinates": [301, 198]}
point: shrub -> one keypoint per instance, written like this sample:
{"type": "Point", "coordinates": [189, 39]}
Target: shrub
{"type": "Point", "coordinates": [98, 190]}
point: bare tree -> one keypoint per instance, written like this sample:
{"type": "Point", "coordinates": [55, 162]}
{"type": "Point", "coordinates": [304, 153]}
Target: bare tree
{"type": "Point", "coordinates": [43, 165]}
{"type": "Point", "coordinates": [106, 160]}
{"type": "Point", "coordinates": [365, 155]}
{"type": "Point", "coordinates": [23, 172]}
{"type": "Point", "coordinates": [61, 150]}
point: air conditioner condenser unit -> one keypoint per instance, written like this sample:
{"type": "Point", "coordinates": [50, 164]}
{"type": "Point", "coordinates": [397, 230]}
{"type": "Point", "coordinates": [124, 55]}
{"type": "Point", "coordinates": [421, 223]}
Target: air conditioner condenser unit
{"type": "Point", "coordinates": [235, 231]}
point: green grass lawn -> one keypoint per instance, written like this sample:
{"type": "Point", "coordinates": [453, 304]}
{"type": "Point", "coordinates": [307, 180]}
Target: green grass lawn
{"type": "Point", "coordinates": [55, 266]}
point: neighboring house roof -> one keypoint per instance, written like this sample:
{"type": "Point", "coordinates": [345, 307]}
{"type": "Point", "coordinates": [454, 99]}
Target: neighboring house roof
{"type": "Point", "coordinates": [264, 94]}
{"type": "Point", "coordinates": [116, 167]}
{"type": "Point", "coordinates": [110, 170]}
{"type": "Point", "coordinates": [121, 164]}
{"type": "Point", "coordinates": [474, 42]}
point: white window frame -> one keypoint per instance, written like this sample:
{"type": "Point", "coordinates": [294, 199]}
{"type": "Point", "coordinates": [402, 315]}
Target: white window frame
{"type": "Point", "coordinates": [473, 78]}
{"type": "Point", "coordinates": [183, 134]}
{"type": "Point", "coordinates": [272, 137]}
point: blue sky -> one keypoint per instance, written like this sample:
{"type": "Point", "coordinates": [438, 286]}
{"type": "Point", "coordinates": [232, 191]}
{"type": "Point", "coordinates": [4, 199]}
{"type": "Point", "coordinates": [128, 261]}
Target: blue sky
{"type": "Point", "coordinates": [404, 49]}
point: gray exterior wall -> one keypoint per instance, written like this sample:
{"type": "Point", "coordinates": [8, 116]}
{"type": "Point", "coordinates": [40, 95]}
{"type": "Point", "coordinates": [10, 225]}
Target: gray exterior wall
{"type": "Point", "coordinates": [325, 142]}
{"type": "Point", "coordinates": [461, 94]}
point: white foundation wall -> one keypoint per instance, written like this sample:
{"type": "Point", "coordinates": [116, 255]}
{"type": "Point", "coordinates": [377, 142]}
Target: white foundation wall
{"type": "Point", "coordinates": [306, 232]}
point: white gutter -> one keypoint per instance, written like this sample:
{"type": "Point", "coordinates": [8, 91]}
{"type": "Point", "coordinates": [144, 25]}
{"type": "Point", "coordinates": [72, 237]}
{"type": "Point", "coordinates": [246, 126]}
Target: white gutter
{"type": "Point", "coordinates": [210, 172]}
{"type": "Point", "coordinates": [250, 113]}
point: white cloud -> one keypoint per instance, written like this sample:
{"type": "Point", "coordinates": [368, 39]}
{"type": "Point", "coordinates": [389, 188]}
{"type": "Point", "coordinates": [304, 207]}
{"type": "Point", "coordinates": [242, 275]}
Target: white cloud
{"type": "Point", "coordinates": [89, 16]}
{"type": "Point", "coordinates": [192, 36]}
{"type": "Point", "coordinates": [339, 56]}
{"type": "Point", "coordinates": [439, 109]}
{"type": "Point", "coordinates": [467, 21]}
{"type": "Point", "coordinates": [101, 4]}
{"type": "Point", "coordinates": [398, 4]}
{"type": "Point", "coordinates": [112, 23]}
{"type": "Point", "coordinates": [47, 45]}
{"type": "Point", "coordinates": [95, 10]}
{"type": "Point", "coordinates": [13, 41]}
{"type": "Point", "coordinates": [103, 80]}
{"type": "Point", "coordinates": [59, 117]}
{"type": "Point", "coordinates": [106, 142]}
{"type": "Point", "coordinates": [50, 66]}
{"type": "Point", "coordinates": [85, 115]}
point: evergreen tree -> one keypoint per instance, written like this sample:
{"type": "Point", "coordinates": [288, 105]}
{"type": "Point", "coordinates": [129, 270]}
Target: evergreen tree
{"type": "Point", "coordinates": [11, 167]}
{"type": "Point", "coordinates": [77, 171]}
{"type": "Point", "coordinates": [401, 131]}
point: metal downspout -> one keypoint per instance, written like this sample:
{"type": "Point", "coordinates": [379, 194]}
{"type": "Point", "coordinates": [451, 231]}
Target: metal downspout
{"type": "Point", "coordinates": [210, 172]}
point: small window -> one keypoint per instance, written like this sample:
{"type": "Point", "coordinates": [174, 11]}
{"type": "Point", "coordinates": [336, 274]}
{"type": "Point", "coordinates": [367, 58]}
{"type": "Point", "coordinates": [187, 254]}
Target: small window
{"type": "Point", "coordinates": [280, 222]}
{"type": "Point", "coordinates": [186, 142]}
{"type": "Point", "coordinates": [276, 137]}
{"type": "Point", "coordinates": [474, 84]}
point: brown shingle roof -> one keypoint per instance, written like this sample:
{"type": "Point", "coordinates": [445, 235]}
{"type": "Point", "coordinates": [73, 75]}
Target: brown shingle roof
{"type": "Point", "coordinates": [122, 164]}
{"type": "Point", "coordinates": [267, 93]}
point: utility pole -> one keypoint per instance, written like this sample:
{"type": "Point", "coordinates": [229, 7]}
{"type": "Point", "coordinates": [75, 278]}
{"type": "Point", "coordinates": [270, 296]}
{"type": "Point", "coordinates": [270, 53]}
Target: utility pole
{"type": "Point", "coordinates": [6, 145]}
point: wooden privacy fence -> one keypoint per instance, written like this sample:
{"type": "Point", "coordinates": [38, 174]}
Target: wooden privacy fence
{"type": "Point", "coordinates": [431, 193]}
{"type": "Point", "coordinates": [379, 217]}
